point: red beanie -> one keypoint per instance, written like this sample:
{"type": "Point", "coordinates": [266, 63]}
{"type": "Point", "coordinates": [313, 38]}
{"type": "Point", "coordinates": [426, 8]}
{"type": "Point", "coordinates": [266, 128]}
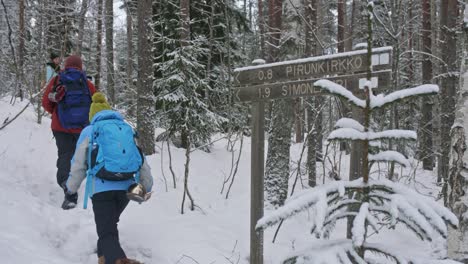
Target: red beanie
{"type": "Point", "coordinates": [73, 61]}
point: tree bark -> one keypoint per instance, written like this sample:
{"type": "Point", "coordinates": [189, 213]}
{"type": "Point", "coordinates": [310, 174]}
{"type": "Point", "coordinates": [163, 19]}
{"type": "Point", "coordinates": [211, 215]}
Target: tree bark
{"type": "Point", "coordinates": [185, 21]}
{"type": "Point", "coordinates": [110, 51]}
{"type": "Point", "coordinates": [458, 177]}
{"type": "Point", "coordinates": [145, 101]}
{"type": "Point", "coordinates": [84, 9]}
{"type": "Point", "coordinates": [21, 48]}
{"type": "Point", "coordinates": [97, 80]}
{"type": "Point", "coordinates": [261, 26]}
{"type": "Point", "coordinates": [426, 146]}
{"type": "Point", "coordinates": [279, 141]}
{"type": "Point", "coordinates": [350, 31]}
{"type": "Point", "coordinates": [184, 41]}
{"type": "Point", "coordinates": [341, 25]}
{"type": "Point", "coordinates": [449, 12]}
{"type": "Point", "coordinates": [311, 50]}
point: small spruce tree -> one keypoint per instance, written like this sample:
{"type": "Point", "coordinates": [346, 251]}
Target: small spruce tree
{"type": "Point", "coordinates": [371, 203]}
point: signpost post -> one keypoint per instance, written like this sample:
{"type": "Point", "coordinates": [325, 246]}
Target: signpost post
{"type": "Point", "coordinates": [286, 79]}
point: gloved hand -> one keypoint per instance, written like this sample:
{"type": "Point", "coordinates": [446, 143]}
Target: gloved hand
{"type": "Point", "coordinates": [58, 95]}
{"type": "Point", "coordinates": [148, 196]}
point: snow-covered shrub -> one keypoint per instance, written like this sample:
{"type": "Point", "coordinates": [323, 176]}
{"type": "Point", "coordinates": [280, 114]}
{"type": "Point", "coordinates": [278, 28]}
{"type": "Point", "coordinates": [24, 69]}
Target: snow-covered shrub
{"type": "Point", "coordinates": [370, 203]}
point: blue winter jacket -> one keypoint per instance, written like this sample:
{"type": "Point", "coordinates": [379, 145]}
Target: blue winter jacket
{"type": "Point", "coordinates": [79, 164]}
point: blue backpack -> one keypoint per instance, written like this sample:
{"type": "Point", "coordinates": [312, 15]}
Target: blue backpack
{"type": "Point", "coordinates": [113, 153]}
{"type": "Point", "coordinates": [73, 109]}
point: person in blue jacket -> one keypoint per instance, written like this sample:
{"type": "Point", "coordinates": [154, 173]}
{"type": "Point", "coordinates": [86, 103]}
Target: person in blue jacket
{"type": "Point", "coordinates": [109, 197]}
{"type": "Point", "coordinates": [52, 67]}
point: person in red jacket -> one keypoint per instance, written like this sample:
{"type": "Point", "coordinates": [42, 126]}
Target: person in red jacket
{"type": "Point", "coordinates": [65, 138]}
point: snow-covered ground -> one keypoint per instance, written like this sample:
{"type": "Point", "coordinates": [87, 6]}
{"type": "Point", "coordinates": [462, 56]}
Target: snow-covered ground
{"type": "Point", "coordinates": [34, 229]}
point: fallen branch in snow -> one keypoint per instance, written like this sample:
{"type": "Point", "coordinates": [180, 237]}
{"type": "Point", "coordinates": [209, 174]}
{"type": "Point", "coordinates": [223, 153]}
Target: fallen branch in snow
{"type": "Point", "coordinates": [207, 144]}
{"type": "Point", "coordinates": [9, 121]}
{"type": "Point", "coordinates": [185, 256]}
{"type": "Point", "coordinates": [16, 116]}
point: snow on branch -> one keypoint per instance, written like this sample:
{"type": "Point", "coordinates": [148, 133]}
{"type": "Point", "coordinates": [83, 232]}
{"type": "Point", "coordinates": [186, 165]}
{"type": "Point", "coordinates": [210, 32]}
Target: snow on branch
{"type": "Point", "coordinates": [380, 249]}
{"type": "Point", "coordinates": [421, 214]}
{"type": "Point", "coordinates": [349, 123]}
{"type": "Point", "coordinates": [339, 90]}
{"type": "Point", "coordinates": [381, 100]}
{"type": "Point", "coordinates": [359, 225]}
{"type": "Point", "coordinates": [353, 134]}
{"type": "Point", "coordinates": [390, 155]}
{"type": "Point", "coordinates": [329, 251]}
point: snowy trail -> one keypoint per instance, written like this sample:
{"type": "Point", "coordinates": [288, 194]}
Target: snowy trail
{"type": "Point", "coordinates": [34, 229]}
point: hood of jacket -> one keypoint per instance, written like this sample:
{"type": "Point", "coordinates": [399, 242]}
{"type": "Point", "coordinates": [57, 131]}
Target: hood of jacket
{"type": "Point", "coordinates": [106, 115]}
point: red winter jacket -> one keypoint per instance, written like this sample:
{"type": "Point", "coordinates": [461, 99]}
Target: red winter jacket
{"type": "Point", "coordinates": [51, 107]}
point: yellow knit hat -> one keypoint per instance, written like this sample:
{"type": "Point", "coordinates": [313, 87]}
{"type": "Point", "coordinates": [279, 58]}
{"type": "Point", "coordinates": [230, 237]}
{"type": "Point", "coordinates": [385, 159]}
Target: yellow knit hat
{"type": "Point", "coordinates": [99, 103]}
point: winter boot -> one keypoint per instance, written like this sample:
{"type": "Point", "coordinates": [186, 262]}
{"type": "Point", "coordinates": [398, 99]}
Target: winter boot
{"type": "Point", "coordinates": [127, 261]}
{"type": "Point", "coordinates": [70, 201]}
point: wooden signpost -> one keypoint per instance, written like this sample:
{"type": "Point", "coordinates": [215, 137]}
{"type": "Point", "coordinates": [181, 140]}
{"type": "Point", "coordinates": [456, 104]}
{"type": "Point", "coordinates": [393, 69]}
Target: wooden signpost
{"type": "Point", "coordinates": [287, 79]}
{"type": "Point", "coordinates": [306, 87]}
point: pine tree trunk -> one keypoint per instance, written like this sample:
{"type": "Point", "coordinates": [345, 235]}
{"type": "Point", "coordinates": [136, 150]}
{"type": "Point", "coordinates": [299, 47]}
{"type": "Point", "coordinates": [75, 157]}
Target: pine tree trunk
{"type": "Point", "coordinates": [21, 48]}
{"type": "Point", "coordinates": [97, 80]}
{"type": "Point", "coordinates": [110, 51]}
{"type": "Point", "coordinates": [449, 12]}
{"type": "Point", "coordinates": [129, 46]}
{"type": "Point", "coordinates": [426, 152]}
{"type": "Point", "coordinates": [279, 141]}
{"type": "Point", "coordinates": [458, 177]}
{"type": "Point", "coordinates": [21, 35]}
{"type": "Point", "coordinates": [145, 101]}
{"type": "Point", "coordinates": [84, 9]}
{"type": "Point", "coordinates": [311, 50]}
{"type": "Point", "coordinates": [341, 25]}
{"type": "Point", "coordinates": [184, 41]}
{"type": "Point", "coordinates": [350, 31]}
{"type": "Point", "coordinates": [185, 21]}
{"type": "Point", "coordinates": [261, 26]}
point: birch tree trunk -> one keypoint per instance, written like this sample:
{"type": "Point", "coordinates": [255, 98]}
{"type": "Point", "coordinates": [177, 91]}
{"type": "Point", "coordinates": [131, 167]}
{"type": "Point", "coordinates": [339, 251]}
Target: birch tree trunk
{"type": "Point", "coordinates": [458, 176]}
{"type": "Point", "coordinates": [146, 100]}
{"type": "Point", "coordinates": [110, 51]}
{"type": "Point", "coordinates": [279, 141]}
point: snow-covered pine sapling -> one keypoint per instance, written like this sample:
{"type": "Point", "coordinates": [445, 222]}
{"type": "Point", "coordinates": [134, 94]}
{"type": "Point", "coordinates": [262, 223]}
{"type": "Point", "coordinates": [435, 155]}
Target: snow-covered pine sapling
{"type": "Point", "coordinates": [371, 203]}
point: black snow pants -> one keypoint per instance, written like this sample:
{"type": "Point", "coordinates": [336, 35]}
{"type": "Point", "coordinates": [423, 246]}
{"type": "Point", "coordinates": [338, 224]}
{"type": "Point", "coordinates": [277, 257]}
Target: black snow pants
{"type": "Point", "coordinates": [107, 207]}
{"type": "Point", "coordinates": [66, 144]}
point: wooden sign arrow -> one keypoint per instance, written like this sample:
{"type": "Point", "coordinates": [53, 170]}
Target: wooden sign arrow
{"type": "Point", "coordinates": [314, 67]}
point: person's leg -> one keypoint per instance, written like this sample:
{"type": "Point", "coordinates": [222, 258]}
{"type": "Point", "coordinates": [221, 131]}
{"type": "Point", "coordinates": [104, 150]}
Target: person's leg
{"type": "Point", "coordinates": [122, 202]}
{"type": "Point", "coordinates": [66, 144]}
{"type": "Point", "coordinates": [106, 207]}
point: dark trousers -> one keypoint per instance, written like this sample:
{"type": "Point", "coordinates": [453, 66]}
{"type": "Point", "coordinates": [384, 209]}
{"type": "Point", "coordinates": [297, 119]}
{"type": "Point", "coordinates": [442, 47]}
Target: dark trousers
{"type": "Point", "coordinates": [107, 207]}
{"type": "Point", "coordinates": [66, 144]}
